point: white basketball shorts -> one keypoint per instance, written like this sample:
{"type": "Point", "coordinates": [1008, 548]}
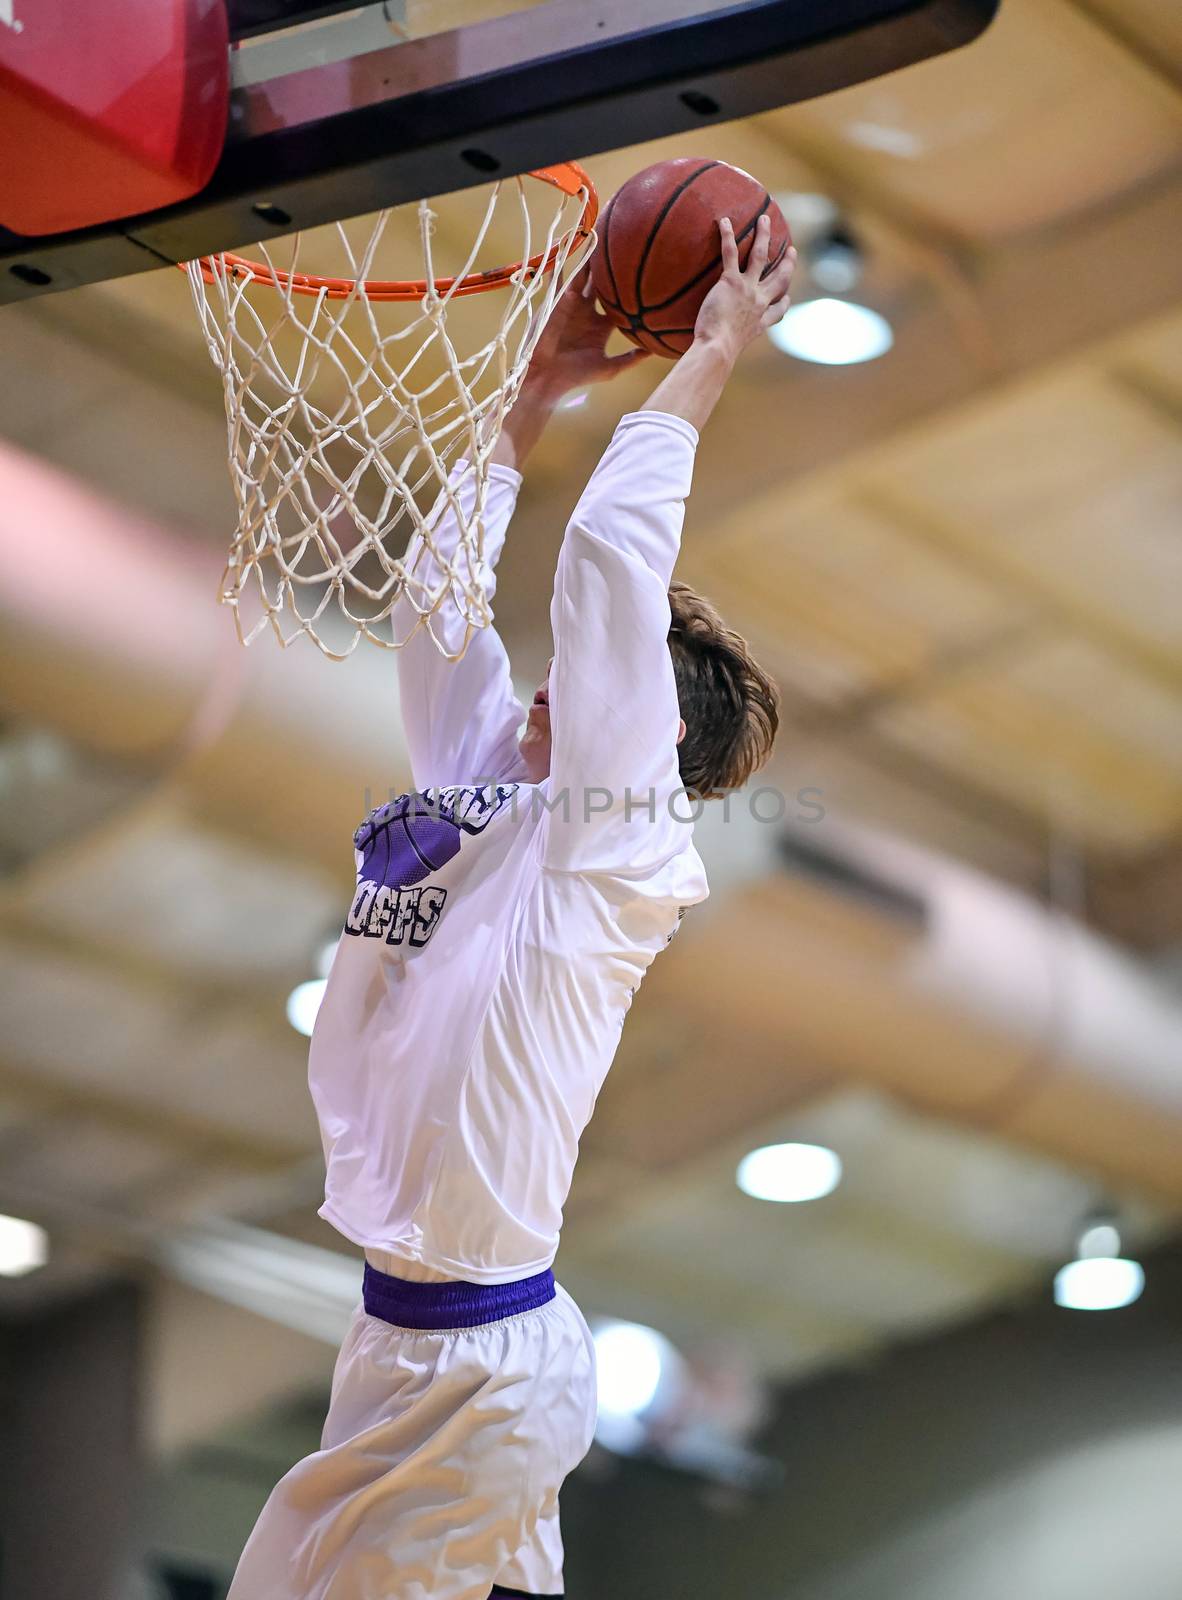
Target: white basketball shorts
{"type": "Point", "coordinates": [457, 1410]}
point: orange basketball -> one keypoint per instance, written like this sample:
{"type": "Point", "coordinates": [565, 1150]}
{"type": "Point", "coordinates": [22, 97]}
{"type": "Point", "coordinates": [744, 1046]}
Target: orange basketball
{"type": "Point", "coordinates": [659, 251]}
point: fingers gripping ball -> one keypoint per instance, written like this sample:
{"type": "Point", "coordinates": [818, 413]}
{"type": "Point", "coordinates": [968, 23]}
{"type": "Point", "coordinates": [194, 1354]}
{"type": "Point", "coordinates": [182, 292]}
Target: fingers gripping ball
{"type": "Point", "coordinates": [659, 256]}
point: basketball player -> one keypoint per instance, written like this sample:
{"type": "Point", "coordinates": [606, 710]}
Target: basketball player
{"type": "Point", "coordinates": [503, 919]}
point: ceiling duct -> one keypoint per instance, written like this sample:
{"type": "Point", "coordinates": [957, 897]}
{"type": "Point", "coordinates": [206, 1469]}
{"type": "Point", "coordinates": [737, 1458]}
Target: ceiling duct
{"type": "Point", "coordinates": [866, 886]}
{"type": "Point", "coordinates": [876, 962]}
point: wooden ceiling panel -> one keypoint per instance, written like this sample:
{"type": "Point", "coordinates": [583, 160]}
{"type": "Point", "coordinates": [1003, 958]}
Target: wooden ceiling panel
{"type": "Point", "coordinates": [1154, 352]}
{"type": "Point", "coordinates": [1085, 681]}
{"type": "Point", "coordinates": [1072, 485]}
{"type": "Point", "coordinates": [1045, 448]}
{"type": "Point", "coordinates": [128, 884]}
{"type": "Point", "coordinates": [81, 1027]}
{"type": "Point", "coordinates": [1149, 28]}
{"type": "Point", "coordinates": [1063, 730]}
{"type": "Point", "coordinates": [846, 603]}
{"type": "Point", "coordinates": [1001, 137]}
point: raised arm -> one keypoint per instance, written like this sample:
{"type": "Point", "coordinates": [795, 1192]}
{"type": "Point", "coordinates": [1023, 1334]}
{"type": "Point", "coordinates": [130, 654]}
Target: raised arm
{"type": "Point", "coordinates": [613, 699]}
{"type": "Point", "coordinates": [741, 306]}
{"type": "Point", "coordinates": [461, 717]}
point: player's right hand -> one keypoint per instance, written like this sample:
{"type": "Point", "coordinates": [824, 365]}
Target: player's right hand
{"type": "Point", "coordinates": [572, 350]}
{"type": "Point", "coordinates": [743, 303]}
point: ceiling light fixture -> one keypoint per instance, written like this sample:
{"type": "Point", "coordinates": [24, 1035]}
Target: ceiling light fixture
{"type": "Point", "coordinates": [303, 1003]}
{"type": "Point", "coordinates": [789, 1172]}
{"type": "Point", "coordinates": [1100, 1283]}
{"type": "Point", "coordinates": [835, 262]}
{"type": "Point", "coordinates": [834, 333]}
{"type": "Point", "coordinates": [23, 1247]}
{"type": "Point", "coordinates": [629, 1362]}
{"type": "Point", "coordinates": [1100, 1278]}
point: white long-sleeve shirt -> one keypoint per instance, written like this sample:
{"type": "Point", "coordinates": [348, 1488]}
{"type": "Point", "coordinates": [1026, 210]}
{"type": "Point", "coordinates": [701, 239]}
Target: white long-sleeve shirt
{"type": "Point", "coordinates": [499, 928]}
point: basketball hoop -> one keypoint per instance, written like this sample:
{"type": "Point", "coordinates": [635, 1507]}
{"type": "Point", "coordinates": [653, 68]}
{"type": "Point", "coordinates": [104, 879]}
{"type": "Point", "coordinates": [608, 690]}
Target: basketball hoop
{"type": "Point", "coordinates": [342, 422]}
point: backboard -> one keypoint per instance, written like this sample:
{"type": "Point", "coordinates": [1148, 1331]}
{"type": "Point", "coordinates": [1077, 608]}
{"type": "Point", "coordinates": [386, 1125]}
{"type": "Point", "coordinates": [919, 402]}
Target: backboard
{"type": "Point", "coordinates": [336, 110]}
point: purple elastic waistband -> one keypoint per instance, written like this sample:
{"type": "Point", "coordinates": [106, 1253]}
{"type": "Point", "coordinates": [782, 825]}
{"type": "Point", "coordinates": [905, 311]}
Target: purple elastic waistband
{"type": "Point", "coordinates": [441, 1306]}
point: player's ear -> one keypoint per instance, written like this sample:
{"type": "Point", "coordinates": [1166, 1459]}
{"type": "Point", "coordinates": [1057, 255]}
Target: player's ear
{"type": "Point", "coordinates": [680, 730]}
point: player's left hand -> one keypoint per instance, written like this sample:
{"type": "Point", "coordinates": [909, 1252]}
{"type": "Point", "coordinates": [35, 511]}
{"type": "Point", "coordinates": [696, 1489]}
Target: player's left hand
{"type": "Point", "coordinates": [572, 351]}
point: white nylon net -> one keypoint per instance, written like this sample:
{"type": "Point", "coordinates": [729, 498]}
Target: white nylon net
{"type": "Point", "coordinates": [346, 413]}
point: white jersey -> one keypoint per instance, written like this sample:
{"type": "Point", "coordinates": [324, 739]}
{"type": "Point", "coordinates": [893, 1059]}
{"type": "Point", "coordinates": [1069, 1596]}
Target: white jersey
{"type": "Point", "coordinates": [500, 928]}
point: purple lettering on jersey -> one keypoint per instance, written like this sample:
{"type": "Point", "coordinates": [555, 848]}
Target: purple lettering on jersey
{"type": "Point", "coordinates": [427, 910]}
{"type": "Point", "coordinates": [400, 916]}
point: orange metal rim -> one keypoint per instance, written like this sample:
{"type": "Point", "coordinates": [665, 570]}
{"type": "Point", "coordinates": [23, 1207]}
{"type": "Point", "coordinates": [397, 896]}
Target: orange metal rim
{"type": "Point", "coordinates": [568, 176]}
